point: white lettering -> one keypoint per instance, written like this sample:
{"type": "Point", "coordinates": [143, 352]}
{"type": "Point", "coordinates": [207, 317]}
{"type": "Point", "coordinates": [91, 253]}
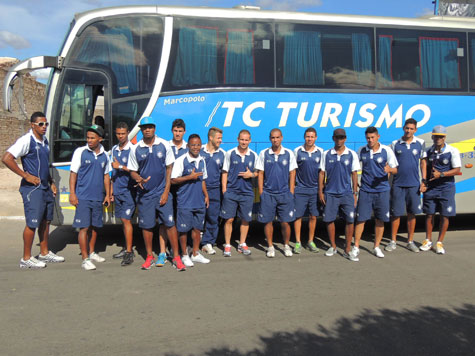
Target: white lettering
{"type": "Point", "coordinates": [331, 112]}
{"type": "Point", "coordinates": [419, 107]}
{"type": "Point", "coordinates": [315, 114]}
{"type": "Point", "coordinates": [188, 99]}
{"type": "Point", "coordinates": [366, 115]}
{"type": "Point", "coordinates": [246, 117]}
{"type": "Point", "coordinates": [286, 107]}
{"type": "Point", "coordinates": [350, 114]}
{"type": "Point", "coordinates": [231, 106]}
{"type": "Point", "coordinates": [386, 116]}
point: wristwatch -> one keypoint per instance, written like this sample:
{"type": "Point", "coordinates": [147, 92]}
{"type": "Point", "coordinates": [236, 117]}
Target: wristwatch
{"type": "Point", "coordinates": [442, 175]}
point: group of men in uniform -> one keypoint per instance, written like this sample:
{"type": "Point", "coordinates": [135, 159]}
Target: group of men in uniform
{"type": "Point", "coordinates": [188, 186]}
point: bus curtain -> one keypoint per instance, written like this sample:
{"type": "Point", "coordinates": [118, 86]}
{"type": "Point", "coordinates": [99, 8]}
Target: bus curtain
{"type": "Point", "coordinates": [385, 60]}
{"type": "Point", "coordinates": [196, 62]}
{"type": "Point", "coordinates": [439, 63]}
{"type": "Point", "coordinates": [362, 62]}
{"type": "Point", "coordinates": [239, 61]}
{"type": "Point", "coordinates": [303, 58]}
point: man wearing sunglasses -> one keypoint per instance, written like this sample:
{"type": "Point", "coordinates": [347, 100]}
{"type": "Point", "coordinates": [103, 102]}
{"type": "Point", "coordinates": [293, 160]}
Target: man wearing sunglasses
{"type": "Point", "coordinates": [37, 189]}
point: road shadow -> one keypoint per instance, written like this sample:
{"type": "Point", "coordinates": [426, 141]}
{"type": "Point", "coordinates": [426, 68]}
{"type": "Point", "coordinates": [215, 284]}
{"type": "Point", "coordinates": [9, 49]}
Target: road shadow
{"type": "Point", "coordinates": [426, 331]}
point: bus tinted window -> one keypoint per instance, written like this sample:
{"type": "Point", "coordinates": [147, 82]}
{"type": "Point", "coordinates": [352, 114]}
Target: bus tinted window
{"type": "Point", "coordinates": [421, 60]}
{"type": "Point", "coordinates": [471, 39]}
{"type": "Point", "coordinates": [220, 53]}
{"type": "Point", "coordinates": [318, 56]}
{"type": "Point", "coordinates": [126, 48]}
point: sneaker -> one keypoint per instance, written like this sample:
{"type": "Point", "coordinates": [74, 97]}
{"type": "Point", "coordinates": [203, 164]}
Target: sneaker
{"type": "Point", "coordinates": [199, 258]}
{"type": "Point", "coordinates": [355, 251]}
{"type": "Point", "coordinates": [187, 261]}
{"type": "Point", "coordinates": [95, 257]}
{"type": "Point", "coordinates": [178, 264]}
{"type": "Point", "coordinates": [270, 252]}
{"type": "Point", "coordinates": [350, 256]}
{"type": "Point", "coordinates": [32, 263]}
{"type": "Point", "coordinates": [297, 248]}
{"type": "Point", "coordinates": [390, 246]}
{"type": "Point", "coordinates": [51, 257]}
{"type": "Point", "coordinates": [161, 259]}
{"type": "Point", "coordinates": [287, 251]}
{"type": "Point", "coordinates": [378, 253]}
{"type": "Point", "coordinates": [426, 245]}
{"type": "Point", "coordinates": [439, 248]}
{"type": "Point", "coordinates": [88, 265]}
{"type": "Point", "coordinates": [148, 262]}
{"type": "Point", "coordinates": [312, 247]}
{"type": "Point", "coordinates": [330, 252]}
{"type": "Point", "coordinates": [227, 251]}
{"type": "Point", "coordinates": [208, 248]}
{"type": "Point", "coordinates": [412, 246]}
{"type": "Point", "coordinates": [244, 249]}
{"type": "Point", "coordinates": [119, 254]}
{"type": "Point", "coordinates": [128, 259]}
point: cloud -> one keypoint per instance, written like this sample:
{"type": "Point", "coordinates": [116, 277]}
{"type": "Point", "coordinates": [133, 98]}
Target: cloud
{"type": "Point", "coordinates": [287, 5]}
{"type": "Point", "coordinates": [8, 39]}
{"type": "Point", "coordinates": [41, 73]}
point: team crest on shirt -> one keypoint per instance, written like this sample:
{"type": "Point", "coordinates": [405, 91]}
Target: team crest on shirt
{"type": "Point", "coordinates": [346, 162]}
{"type": "Point", "coordinates": [379, 160]}
{"type": "Point", "coordinates": [124, 159]}
{"type": "Point", "coordinates": [103, 164]}
{"type": "Point", "coordinates": [415, 152]}
{"type": "Point", "coordinates": [445, 161]}
{"type": "Point", "coordinates": [159, 154]}
{"type": "Point", "coordinates": [218, 161]}
{"type": "Point", "coordinates": [317, 159]}
{"type": "Point", "coordinates": [250, 163]}
{"type": "Point", "coordinates": [284, 162]}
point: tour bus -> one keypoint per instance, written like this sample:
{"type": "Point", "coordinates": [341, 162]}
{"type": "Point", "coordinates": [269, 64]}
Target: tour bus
{"type": "Point", "coordinates": [244, 68]}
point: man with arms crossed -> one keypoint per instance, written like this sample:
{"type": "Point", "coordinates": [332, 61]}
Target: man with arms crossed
{"type": "Point", "coordinates": [443, 163]}
{"type": "Point", "coordinates": [378, 161]}
{"type": "Point", "coordinates": [338, 189]}
{"type": "Point", "coordinates": [36, 188]}
{"type": "Point", "coordinates": [308, 158]}
{"type": "Point", "coordinates": [410, 152]}
{"type": "Point", "coordinates": [276, 181]}
{"type": "Point", "coordinates": [238, 193]}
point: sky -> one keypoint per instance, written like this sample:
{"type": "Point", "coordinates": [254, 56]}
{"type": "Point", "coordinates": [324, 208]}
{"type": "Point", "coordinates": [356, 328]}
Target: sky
{"type": "Point", "coordinates": [31, 28]}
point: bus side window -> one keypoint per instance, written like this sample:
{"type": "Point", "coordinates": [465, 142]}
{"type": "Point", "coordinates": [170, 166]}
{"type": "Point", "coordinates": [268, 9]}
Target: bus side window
{"type": "Point", "coordinates": [471, 39]}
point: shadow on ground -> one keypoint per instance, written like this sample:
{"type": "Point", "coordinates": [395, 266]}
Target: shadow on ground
{"type": "Point", "coordinates": [427, 331]}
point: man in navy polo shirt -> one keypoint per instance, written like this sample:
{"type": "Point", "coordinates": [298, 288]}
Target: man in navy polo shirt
{"type": "Point", "coordinates": [378, 161]}
{"type": "Point", "coordinates": [308, 158]}
{"type": "Point", "coordinates": [123, 190]}
{"type": "Point", "coordinates": [238, 193]}
{"type": "Point", "coordinates": [214, 157]}
{"type": "Point", "coordinates": [36, 188]}
{"type": "Point", "coordinates": [276, 181]}
{"type": "Point", "coordinates": [410, 152]}
{"type": "Point", "coordinates": [189, 174]}
{"type": "Point", "coordinates": [89, 186]}
{"type": "Point", "coordinates": [443, 163]}
{"type": "Point", "coordinates": [150, 164]}
{"type": "Point", "coordinates": [338, 189]}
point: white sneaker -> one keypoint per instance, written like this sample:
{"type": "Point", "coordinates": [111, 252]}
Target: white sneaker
{"type": "Point", "coordinates": [88, 265]}
{"type": "Point", "coordinates": [270, 252]}
{"type": "Point", "coordinates": [378, 253]}
{"type": "Point", "coordinates": [391, 246]}
{"type": "Point", "coordinates": [95, 257]}
{"type": "Point", "coordinates": [187, 261]}
{"type": "Point", "coordinates": [199, 258]}
{"type": "Point", "coordinates": [412, 246]}
{"type": "Point", "coordinates": [426, 245]}
{"type": "Point", "coordinates": [208, 248]}
{"type": "Point", "coordinates": [330, 252]}
{"type": "Point", "coordinates": [32, 263]}
{"type": "Point", "coordinates": [287, 251]}
{"type": "Point", "coordinates": [50, 257]}
{"type": "Point", "coordinates": [439, 248]}
{"type": "Point", "coordinates": [356, 251]}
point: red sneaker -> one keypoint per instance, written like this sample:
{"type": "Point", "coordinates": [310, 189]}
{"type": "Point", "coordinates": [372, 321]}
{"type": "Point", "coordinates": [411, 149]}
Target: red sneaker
{"type": "Point", "coordinates": [148, 262]}
{"type": "Point", "coordinates": [178, 264]}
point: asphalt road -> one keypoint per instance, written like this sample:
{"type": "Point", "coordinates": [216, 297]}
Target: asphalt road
{"type": "Point", "coordinates": [404, 304]}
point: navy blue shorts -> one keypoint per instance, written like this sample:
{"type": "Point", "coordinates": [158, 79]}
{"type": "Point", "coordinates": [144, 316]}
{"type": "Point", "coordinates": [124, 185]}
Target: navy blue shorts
{"type": "Point", "coordinates": [405, 199]}
{"type": "Point", "coordinates": [339, 205]}
{"type": "Point", "coordinates": [187, 219]}
{"type": "Point", "coordinates": [124, 206]}
{"type": "Point", "coordinates": [88, 213]}
{"type": "Point", "coordinates": [38, 205]}
{"type": "Point", "coordinates": [148, 208]}
{"type": "Point", "coordinates": [306, 203]}
{"type": "Point", "coordinates": [369, 202]}
{"type": "Point", "coordinates": [236, 203]}
{"type": "Point", "coordinates": [439, 200]}
{"type": "Point", "coordinates": [280, 205]}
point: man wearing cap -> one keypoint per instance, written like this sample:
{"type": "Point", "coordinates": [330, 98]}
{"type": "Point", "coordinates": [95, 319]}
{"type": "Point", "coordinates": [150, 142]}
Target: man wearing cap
{"type": "Point", "coordinates": [338, 189]}
{"type": "Point", "coordinates": [36, 188]}
{"type": "Point", "coordinates": [378, 161]}
{"type": "Point", "coordinates": [150, 164]}
{"type": "Point", "coordinates": [89, 186]}
{"type": "Point", "coordinates": [276, 181]}
{"type": "Point", "coordinates": [443, 163]}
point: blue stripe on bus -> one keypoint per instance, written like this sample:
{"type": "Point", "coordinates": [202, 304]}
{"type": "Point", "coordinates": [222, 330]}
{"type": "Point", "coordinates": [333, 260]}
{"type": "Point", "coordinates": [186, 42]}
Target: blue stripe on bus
{"type": "Point", "coordinates": [465, 185]}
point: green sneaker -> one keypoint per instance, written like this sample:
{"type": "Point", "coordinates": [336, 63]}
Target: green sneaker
{"type": "Point", "coordinates": [297, 247]}
{"type": "Point", "coordinates": [312, 247]}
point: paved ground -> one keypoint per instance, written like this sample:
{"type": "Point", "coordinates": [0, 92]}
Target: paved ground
{"type": "Point", "coordinates": [406, 303]}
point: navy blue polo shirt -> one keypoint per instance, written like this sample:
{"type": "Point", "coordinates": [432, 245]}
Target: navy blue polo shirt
{"type": "Point", "coordinates": [408, 156]}
{"type": "Point", "coordinates": [90, 168]}
{"type": "Point", "coordinates": [276, 169]}
{"type": "Point", "coordinates": [122, 182]}
{"type": "Point", "coordinates": [214, 165]}
{"type": "Point", "coordinates": [190, 194]}
{"type": "Point", "coordinates": [235, 163]}
{"type": "Point", "coordinates": [178, 151]}
{"type": "Point", "coordinates": [308, 162]}
{"type": "Point", "coordinates": [339, 169]}
{"type": "Point", "coordinates": [373, 177]}
{"type": "Point", "coordinates": [444, 160]}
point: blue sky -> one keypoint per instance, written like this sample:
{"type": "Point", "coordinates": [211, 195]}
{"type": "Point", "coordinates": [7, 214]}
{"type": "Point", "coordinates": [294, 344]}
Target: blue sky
{"type": "Point", "coordinates": [37, 27]}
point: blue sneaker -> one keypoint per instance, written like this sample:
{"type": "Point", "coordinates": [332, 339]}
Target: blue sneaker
{"type": "Point", "coordinates": [161, 260]}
